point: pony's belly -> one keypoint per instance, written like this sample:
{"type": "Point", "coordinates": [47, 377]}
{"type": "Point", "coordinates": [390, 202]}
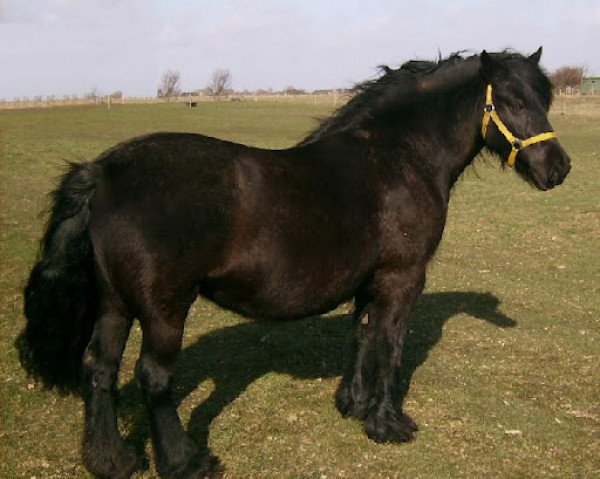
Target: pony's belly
{"type": "Point", "coordinates": [286, 300]}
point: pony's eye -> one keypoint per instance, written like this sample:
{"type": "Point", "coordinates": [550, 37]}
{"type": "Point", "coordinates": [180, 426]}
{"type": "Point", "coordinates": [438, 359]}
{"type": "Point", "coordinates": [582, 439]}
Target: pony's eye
{"type": "Point", "coordinates": [520, 105]}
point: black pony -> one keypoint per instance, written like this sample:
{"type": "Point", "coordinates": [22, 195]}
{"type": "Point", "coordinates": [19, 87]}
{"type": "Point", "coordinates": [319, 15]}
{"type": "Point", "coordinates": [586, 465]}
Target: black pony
{"type": "Point", "coordinates": [356, 210]}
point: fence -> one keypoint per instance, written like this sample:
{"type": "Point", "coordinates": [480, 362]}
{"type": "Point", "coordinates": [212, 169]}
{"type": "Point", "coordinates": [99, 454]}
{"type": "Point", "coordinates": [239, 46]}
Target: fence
{"type": "Point", "coordinates": [334, 98]}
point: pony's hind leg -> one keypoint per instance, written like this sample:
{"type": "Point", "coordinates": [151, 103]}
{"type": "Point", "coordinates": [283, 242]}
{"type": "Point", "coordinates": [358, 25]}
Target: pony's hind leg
{"type": "Point", "coordinates": [176, 455]}
{"type": "Point", "coordinates": [104, 451]}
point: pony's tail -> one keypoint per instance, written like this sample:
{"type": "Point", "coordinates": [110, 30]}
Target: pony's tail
{"type": "Point", "coordinates": [60, 296]}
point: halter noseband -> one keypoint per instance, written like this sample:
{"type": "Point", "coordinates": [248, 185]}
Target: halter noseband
{"type": "Point", "coordinates": [489, 112]}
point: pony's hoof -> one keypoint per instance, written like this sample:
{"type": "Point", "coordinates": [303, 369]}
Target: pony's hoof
{"type": "Point", "coordinates": [119, 465]}
{"type": "Point", "coordinates": [210, 468]}
{"type": "Point", "coordinates": [198, 467]}
{"type": "Point", "coordinates": [390, 426]}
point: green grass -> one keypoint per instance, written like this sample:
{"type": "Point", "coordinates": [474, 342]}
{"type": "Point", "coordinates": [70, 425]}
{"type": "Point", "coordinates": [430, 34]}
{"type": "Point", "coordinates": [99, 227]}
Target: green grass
{"type": "Point", "coordinates": [502, 355]}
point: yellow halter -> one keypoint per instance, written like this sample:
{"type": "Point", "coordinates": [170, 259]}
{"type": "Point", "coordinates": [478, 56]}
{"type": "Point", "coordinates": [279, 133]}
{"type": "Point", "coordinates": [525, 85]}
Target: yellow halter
{"type": "Point", "coordinates": [489, 112]}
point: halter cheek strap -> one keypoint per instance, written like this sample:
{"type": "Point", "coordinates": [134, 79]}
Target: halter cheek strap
{"type": "Point", "coordinates": [489, 113]}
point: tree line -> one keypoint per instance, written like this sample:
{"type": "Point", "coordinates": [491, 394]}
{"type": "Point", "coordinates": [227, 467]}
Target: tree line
{"type": "Point", "coordinates": [218, 86]}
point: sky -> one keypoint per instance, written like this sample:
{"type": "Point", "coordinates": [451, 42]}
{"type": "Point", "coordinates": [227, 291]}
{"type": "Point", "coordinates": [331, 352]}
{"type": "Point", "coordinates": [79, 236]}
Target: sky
{"type": "Point", "coordinates": [58, 47]}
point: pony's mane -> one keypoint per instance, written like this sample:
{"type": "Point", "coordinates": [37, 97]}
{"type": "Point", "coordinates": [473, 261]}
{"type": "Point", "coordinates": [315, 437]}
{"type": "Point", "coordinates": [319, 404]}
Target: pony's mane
{"type": "Point", "coordinates": [369, 94]}
{"type": "Point", "coordinates": [395, 88]}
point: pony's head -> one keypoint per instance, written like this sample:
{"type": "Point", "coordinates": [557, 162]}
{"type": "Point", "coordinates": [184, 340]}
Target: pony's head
{"type": "Point", "coordinates": [515, 118]}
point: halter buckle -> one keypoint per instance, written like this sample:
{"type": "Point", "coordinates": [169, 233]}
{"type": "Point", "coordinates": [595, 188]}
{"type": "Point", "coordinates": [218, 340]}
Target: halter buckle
{"type": "Point", "coordinates": [517, 144]}
{"type": "Point", "coordinates": [489, 108]}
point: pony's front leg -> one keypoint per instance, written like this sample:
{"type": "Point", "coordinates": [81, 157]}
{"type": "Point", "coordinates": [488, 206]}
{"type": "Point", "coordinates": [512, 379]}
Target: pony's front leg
{"type": "Point", "coordinates": [371, 388]}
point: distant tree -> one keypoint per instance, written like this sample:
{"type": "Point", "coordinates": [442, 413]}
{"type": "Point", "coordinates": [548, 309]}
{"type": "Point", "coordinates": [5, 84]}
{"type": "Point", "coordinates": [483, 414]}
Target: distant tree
{"type": "Point", "coordinates": [262, 91]}
{"type": "Point", "coordinates": [169, 85]}
{"type": "Point", "coordinates": [93, 94]}
{"type": "Point", "coordinates": [290, 90]}
{"type": "Point", "coordinates": [567, 77]}
{"type": "Point", "coordinates": [220, 83]}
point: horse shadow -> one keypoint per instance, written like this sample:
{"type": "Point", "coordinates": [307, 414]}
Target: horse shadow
{"type": "Point", "coordinates": [310, 348]}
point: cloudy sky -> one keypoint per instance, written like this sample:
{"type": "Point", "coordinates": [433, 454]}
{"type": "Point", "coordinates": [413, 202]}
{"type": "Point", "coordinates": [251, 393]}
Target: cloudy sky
{"type": "Point", "coordinates": [70, 46]}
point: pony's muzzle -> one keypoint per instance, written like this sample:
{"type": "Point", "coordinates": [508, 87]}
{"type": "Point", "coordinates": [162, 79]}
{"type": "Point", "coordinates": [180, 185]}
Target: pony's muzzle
{"type": "Point", "coordinates": [545, 165]}
{"type": "Point", "coordinates": [559, 167]}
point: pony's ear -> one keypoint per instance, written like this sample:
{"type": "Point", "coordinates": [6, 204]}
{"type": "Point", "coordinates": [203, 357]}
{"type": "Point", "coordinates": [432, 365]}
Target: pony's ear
{"type": "Point", "coordinates": [487, 65]}
{"type": "Point", "coordinates": [535, 57]}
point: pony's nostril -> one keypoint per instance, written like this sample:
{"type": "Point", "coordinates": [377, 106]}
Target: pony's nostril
{"type": "Point", "coordinates": [553, 178]}
{"type": "Point", "coordinates": [558, 174]}
{"type": "Point", "coordinates": [564, 174]}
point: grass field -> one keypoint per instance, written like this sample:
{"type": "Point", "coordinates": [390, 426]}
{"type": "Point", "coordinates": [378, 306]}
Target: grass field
{"type": "Point", "coordinates": [502, 356]}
